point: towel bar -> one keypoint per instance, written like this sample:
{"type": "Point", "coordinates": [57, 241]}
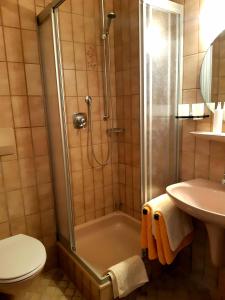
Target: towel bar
{"type": "Point", "coordinates": [156, 217]}
{"type": "Point", "coordinates": [145, 212]}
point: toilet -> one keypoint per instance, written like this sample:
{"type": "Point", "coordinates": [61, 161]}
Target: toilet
{"type": "Point", "coordinates": [22, 258]}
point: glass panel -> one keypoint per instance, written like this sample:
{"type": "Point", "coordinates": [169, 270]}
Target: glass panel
{"type": "Point", "coordinates": [54, 128]}
{"type": "Point", "coordinates": [161, 92]}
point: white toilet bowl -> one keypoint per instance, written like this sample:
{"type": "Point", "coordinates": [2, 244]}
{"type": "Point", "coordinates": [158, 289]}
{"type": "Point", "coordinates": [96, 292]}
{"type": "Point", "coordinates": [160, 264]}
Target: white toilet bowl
{"type": "Point", "coordinates": [22, 258]}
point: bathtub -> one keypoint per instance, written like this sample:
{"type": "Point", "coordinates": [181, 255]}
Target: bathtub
{"type": "Point", "coordinates": [100, 243]}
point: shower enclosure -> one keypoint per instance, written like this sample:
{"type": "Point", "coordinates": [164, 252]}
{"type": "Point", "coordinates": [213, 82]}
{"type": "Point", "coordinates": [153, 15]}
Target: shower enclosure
{"type": "Point", "coordinates": [98, 205]}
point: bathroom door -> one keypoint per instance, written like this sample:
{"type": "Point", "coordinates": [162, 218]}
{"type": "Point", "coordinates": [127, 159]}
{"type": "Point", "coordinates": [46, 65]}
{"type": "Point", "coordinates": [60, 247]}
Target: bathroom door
{"type": "Point", "coordinates": [161, 69]}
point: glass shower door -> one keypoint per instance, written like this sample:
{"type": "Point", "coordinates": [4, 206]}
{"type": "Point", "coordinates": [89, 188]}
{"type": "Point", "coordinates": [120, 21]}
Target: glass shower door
{"type": "Point", "coordinates": [161, 51]}
{"type": "Point", "coordinates": [57, 128]}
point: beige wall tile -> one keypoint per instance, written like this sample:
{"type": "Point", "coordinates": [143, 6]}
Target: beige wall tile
{"type": "Point", "coordinates": [20, 111]}
{"type": "Point", "coordinates": [76, 159]}
{"type": "Point", "coordinates": [82, 89]}
{"type": "Point", "coordinates": [3, 208]}
{"type": "Point", "coordinates": [11, 175]}
{"type": "Point", "coordinates": [24, 142]}
{"type": "Point", "coordinates": [80, 58]}
{"type": "Point", "coordinates": [27, 14]}
{"type": "Point", "coordinates": [10, 13]}
{"type": "Point", "coordinates": [216, 168]}
{"type": "Point", "coordinates": [89, 201]}
{"type": "Point", "coordinates": [37, 114]}
{"type": "Point", "coordinates": [88, 179]}
{"type": "Point", "coordinates": [74, 136]}
{"type": "Point", "coordinates": [65, 26]}
{"type": "Point", "coordinates": [99, 198]}
{"type": "Point", "coordinates": [89, 29]}
{"type": "Point", "coordinates": [190, 71]}
{"type": "Point", "coordinates": [77, 181]}
{"type": "Point", "coordinates": [45, 193]}
{"type": "Point", "coordinates": [79, 207]}
{"type": "Point", "coordinates": [71, 108]}
{"type": "Point", "coordinates": [27, 172]}
{"type": "Point", "coordinates": [18, 226]}
{"type": "Point", "coordinates": [2, 46]}
{"type": "Point", "coordinates": [31, 202]}
{"type": "Point", "coordinates": [4, 82]}
{"type": "Point", "coordinates": [191, 36]}
{"type": "Point", "coordinates": [34, 225]}
{"type": "Point", "coordinates": [48, 222]}
{"type": "Point", "coordinates": [77, 7]}
{"type": "Point", "coordinates": [89, 8]}
{"type": "Point", "coordinates": [78, 28]}
{"type": "Point", "coordinates": [42, 169]}
{"type": "Point", "coordinates": [33, 77]}
{"type": "Point", "coordinates": [29, 38]}
{"type": "Point", "coordinates": [4, 230]}
{"type": "Point", "coordinates": [40, 141]}
{"type": "Point", "coordinates": [13, 44]}
{"type": "Point", "coordinates": [201, 166]}
{"type": "Point", "coordinates": [15, 204]}
{"type": "Point", "coordinates": [17, 79]}
{"type": "Point", "coordinates": [70, 83]}
{"type": "Point", "coordinates": [66, 6]}
{"type": "Point", "coordinates": [68, 55]}
{"type": "Point", "coordinates": [93, 83]}
{"type": "Point", "coordinates": [6, 119]}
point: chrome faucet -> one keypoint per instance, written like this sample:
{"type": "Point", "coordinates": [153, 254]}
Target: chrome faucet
{"type": "Point", "coordinates": [223, 180]}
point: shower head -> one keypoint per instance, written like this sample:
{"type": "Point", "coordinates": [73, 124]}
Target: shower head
{"type": "Point", "coordinates": [110, 16]}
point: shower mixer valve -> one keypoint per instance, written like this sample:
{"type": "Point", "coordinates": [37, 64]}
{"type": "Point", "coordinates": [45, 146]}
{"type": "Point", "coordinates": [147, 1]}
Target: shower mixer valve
{"type": "Point", "coordinates": [79, 120]}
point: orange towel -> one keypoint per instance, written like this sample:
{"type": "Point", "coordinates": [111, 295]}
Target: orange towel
{"type": "Point", "coordinates": [158, 246]}
{"type": "Point", "coordinates": [147, 239]}
{"type": "Point", "coordinates": [166, 255]}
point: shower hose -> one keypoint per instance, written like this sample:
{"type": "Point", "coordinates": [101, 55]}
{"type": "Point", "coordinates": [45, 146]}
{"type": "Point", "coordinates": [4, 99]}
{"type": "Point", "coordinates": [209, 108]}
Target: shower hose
{"type": "Point", "coordinates": [90, 139]}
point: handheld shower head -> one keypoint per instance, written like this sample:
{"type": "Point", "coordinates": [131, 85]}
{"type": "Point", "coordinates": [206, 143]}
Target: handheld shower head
{"type": "Point", "coordinates": [110, 16]}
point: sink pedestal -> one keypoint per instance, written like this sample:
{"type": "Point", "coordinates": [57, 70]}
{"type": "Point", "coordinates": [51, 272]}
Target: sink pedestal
{"type": "Point", "coordinates": [216, 236]}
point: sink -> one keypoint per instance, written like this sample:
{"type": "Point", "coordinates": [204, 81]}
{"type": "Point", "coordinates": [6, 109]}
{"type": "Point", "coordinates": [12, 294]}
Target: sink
{"type": "Point", "coordinates": [204, 200]}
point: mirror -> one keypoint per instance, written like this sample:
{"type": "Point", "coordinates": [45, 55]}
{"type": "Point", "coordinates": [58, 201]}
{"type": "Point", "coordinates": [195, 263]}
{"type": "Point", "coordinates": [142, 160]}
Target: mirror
{"type": "Point", "coordinates": [212, 76]}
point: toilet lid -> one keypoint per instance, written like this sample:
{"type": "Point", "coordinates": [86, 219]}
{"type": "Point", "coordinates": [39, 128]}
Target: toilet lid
{"type": "Point", "coordinates": [20, 255]}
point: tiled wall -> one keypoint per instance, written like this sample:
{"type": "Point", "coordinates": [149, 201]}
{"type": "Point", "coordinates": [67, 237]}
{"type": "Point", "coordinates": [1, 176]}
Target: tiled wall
{"type": "Point", "coordinates": [199, 158]}
{"type": "Point", "coordinates": [26, 200]}
{"type": "Point", "coordinates": [127, 92]}
{"type": "Point", "coordinates": [95, 189]}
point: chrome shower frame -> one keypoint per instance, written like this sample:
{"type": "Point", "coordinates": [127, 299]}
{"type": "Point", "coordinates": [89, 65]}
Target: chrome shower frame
{"type": "Point", "coordinates": [51, 11]}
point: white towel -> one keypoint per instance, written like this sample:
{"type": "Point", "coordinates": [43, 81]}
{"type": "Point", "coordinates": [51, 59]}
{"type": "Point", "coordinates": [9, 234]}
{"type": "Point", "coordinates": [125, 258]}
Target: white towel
{"type": "Point", "coordinates": [178, 223]}
{"type": "Point", "coordinates": [127, 276]}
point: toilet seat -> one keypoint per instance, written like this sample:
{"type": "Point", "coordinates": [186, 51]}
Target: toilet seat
{"type": "Point", "coordinates": [21, 257]}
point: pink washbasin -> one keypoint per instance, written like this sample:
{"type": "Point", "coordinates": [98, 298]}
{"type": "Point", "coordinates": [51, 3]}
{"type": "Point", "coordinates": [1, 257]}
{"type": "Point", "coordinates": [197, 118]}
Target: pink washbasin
{"type": "Point", "coordinates": [204, 200]}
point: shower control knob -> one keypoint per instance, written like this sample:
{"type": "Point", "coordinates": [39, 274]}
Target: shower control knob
{"type": "Point", "coordinates": [79, 120]}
